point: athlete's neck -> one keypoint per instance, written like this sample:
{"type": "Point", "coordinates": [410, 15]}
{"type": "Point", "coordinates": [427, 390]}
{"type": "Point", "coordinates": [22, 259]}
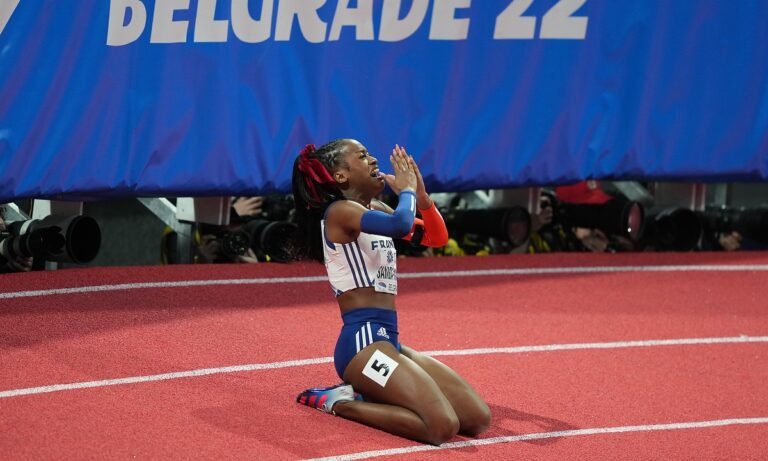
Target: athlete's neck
{"type": "Point", "coordinates": [365, 203]}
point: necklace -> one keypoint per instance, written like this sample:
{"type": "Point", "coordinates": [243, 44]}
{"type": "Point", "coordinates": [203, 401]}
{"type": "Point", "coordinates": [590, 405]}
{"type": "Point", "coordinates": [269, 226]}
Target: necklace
{"type": "Point", "coordinates": [367, 205]}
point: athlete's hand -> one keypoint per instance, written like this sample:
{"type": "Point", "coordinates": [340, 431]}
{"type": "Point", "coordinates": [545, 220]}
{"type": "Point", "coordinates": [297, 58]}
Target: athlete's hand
{"type": "Point", "coordinates": [422, 198]}
{"type": "Point", "coordinates": [404, 177]}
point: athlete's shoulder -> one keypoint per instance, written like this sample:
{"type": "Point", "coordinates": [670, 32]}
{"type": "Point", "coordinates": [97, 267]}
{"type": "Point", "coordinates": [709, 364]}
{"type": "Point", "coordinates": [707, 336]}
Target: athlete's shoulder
{"type": "Point", "coordinates": [344, 214]}
{"type": "Point", "coordinates": [343, 207]}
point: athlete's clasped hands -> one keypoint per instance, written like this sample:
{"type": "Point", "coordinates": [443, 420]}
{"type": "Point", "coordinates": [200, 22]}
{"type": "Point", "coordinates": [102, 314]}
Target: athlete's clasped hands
{"type": "Point", "coordinates": [406, 175]}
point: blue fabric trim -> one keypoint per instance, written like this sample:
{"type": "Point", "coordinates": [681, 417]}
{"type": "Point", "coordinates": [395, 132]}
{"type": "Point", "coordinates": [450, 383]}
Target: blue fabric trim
{"type": "Point", "coordinates": [346, 346]}
{"type": "Point", "coordinates": [362, 261]}
{"type": "Point", "coordinates": [395, 225]}
{"type": "Point", "coordinates": [351, 269]}
{"type": "Point", "coordinates": [357, 265]}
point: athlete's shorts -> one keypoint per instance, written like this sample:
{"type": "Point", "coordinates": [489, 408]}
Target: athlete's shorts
{"type": "Point", "coordinates": [362, 327]}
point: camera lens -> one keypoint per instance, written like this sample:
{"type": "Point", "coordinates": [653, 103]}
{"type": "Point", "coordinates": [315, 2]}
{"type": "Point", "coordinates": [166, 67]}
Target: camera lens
{"type": "Point", "coordinates": [234, 244]}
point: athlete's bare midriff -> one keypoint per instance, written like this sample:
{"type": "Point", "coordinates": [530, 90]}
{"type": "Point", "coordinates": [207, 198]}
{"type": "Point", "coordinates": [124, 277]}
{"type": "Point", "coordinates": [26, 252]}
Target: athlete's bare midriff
{"type": "Point", "coordinates": [365, 297]}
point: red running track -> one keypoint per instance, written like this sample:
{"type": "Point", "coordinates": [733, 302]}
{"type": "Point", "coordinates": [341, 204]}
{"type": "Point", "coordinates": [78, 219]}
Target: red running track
{"type": "Point", "coordinates": [248, 412]}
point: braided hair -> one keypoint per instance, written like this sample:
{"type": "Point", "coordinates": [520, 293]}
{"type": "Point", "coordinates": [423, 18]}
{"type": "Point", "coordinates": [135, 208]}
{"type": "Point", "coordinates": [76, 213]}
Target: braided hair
{"type": "Point", "coordinates": [314, 189]}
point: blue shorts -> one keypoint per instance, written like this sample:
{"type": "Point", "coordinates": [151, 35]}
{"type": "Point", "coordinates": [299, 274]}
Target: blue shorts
{"type": "Point", "coordinates": [362, 327]}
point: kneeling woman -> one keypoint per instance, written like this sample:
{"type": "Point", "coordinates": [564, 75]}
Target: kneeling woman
{"type": "Point", "coordinates": [406, 393]}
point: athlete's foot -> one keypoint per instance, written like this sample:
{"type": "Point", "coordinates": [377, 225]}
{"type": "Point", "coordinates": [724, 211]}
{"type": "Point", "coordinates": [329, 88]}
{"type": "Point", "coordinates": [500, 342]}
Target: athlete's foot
{"type": "Point", "coordinates": [324, 398]}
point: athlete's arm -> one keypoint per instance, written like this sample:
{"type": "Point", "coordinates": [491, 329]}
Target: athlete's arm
{"type": "Point", "coordinates": [346, 219]}
{"type": "Point", "coordinates": [396, 225]}
{"type": "Point", "coordinates": [429, 231]}
{"type": "Point", "coordinates": [403, 183]}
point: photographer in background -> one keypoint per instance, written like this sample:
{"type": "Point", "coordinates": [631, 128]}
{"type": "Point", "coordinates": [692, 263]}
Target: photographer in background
{"type": "Point", "coordinates": [259, 230]}
{"type": "Point", "coordinates": [582, 217]}
{"type": "Point", "coordinates": [268, 222]}
{"type": "Point", "coordinates": [229, 244]}
{"type": "Point", "coordinates": [14, 264]}
{"type": "Point", "coordinates": [222, 244]}
{"type": "Point", "coordinates": [547, 234]}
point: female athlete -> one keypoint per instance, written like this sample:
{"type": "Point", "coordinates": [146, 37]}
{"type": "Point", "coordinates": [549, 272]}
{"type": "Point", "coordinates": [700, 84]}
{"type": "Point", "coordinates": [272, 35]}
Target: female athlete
{"type": "Point", "coordinates": [341, 223]}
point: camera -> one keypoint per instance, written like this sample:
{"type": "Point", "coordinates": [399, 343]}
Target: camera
{"type": "Point", "coordinates": [277, 207]}
{"type": "Point", "coordinates": [73, 239]}
{"type": "Point", "coordinates": [751, 223]}
{"type": "Point", "coordinates": [620, 217]}
{"type": "Point", "coordinates": [672, 229]}
{"type": "Point", "coordinates": [269, 240]}
{"type": "Point", "coordinates": [269, 234]}
{"type": "Point", "coordinates": [511, 224]}
{"type": "Point", "coordinates": [233, 243]}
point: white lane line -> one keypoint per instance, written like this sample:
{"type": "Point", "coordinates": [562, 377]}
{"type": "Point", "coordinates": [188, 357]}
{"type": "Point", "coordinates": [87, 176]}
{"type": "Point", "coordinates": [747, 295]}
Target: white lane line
{"type": "Point", "coordinates": [546, 435]}
{"type": "Point", "coordinates": [405, 275]}
{"type": "Point", "coordinates": [304, 362]}
{"type": "Point", "coordinates": [163, 376]}
{"type": "Point", "coordinates": [138, 286]}
{"type": "Point", "coordinates": [613, 345]}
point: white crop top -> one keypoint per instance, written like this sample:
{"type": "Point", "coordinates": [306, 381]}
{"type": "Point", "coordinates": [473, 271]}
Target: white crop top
{"type": "Point", "coordinates": [369, 261]}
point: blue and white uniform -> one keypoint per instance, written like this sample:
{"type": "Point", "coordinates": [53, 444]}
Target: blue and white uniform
{"type": "Point", "coordinates": [369, 261]}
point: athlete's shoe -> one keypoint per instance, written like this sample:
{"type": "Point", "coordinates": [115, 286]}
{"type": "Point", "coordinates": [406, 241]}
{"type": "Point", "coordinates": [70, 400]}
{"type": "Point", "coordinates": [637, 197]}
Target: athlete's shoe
{"type": "Point", "coordinates": [324, 398]}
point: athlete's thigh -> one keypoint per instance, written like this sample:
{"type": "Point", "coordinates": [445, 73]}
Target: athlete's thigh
{"type": "Point", "coordinates": [469, 406]}
{"type": "Point", "coordinates": [383, 375]}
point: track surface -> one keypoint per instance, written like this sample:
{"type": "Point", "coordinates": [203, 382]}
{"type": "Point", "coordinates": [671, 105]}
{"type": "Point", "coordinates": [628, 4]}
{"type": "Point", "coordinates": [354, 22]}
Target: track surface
{"type": "Point", "coordinates": [249, 412]}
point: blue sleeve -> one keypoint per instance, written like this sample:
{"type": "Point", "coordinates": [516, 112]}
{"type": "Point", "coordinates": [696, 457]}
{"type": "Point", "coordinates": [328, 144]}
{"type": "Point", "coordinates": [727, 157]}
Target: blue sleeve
{"type": "Point", "coordinates": [395, 225]}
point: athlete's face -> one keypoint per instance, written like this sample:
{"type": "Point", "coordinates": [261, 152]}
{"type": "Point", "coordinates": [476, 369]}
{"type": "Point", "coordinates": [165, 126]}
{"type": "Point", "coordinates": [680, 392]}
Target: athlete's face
{"type": "Point", "coordinates": [361, 170]}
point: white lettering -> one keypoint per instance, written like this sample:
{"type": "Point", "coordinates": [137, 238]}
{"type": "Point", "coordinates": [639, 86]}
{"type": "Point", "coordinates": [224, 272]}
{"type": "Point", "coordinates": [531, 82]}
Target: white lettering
{"type": "Point", "coordinates": [208, 29]}
{"type": "Point", "coordinates": [312, 27]}
{"type": "Point", "coordinates": [7, 8]}
{"type": "Point", "coordinates": [256, 21]}
{"type": "Point", "coordinates": [246, 28]}
{"type": "Point", "coordinates": [361, 18]}
{"type": "Point", "coordinates": [393, 29]}
{"type": "Point", "coordinates": [164, 28]}
{"type": "Point", "coordinates": [558, 22]}
{"type": "Point", "coordinates": [444, 25]}
{"type": "Point", "coordinates": [511, 24]}
{"type": "Point", "coordinates": [119, 33]}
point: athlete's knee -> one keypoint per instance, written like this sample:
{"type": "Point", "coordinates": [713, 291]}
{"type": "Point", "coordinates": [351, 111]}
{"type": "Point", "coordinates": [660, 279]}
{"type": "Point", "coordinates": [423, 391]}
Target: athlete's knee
{"type": "Point", "coordinates": [477, 421]}
{"type": "Point", "coordinates": [443, 429]}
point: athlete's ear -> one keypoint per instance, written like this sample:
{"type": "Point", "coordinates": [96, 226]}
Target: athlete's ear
{"type": "Point", "coordinates": [341, 176]}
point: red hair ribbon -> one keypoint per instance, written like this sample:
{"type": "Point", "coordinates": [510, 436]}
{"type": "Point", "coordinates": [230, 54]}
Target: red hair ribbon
{"type": "Point", "coordinates": [314, 171]}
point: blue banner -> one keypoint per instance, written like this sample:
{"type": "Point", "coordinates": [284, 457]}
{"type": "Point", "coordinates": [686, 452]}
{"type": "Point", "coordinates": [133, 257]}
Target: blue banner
{"type": "Point", "coordinates": [133, 98]}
